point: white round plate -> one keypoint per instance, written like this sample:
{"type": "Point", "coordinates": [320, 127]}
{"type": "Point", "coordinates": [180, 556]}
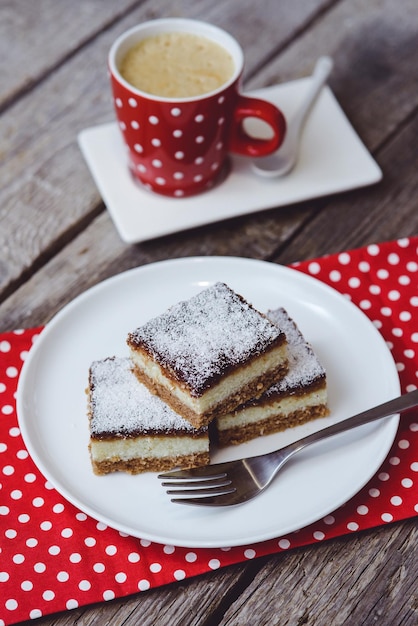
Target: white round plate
{"type": "Point", "coordinates": [51, 403]}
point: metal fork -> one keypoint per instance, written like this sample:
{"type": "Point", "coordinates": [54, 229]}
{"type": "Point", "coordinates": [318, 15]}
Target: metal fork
{"type": "Point", "coordinates": [234, 482]}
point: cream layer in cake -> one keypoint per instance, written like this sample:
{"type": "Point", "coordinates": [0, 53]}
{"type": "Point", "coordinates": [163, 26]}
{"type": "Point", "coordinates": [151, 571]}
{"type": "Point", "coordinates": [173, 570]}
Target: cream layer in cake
{"type": "Point", "coordinates": [133, 430]}
{"type": "Point", "coordinates": [207, 355]}
{"type": "Point", "coordinates": [300, 396]}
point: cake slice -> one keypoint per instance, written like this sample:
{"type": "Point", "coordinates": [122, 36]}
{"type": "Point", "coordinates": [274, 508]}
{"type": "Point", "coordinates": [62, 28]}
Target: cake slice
{"type": "Point", "coordinates": [134, 431]}
{"type": "Point", "coordinates": [207, 355]}
{"type": "Point", "coordinates": [300, 396]}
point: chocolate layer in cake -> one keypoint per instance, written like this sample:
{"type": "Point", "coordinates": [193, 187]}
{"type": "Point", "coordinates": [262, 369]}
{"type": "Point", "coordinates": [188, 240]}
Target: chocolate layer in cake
{"type": "Point", "coordinates": [134, 431]}
{"type": "Point", "coordinates": [207, 355]}
{"type": "Point", "coordinates": [300, 396]}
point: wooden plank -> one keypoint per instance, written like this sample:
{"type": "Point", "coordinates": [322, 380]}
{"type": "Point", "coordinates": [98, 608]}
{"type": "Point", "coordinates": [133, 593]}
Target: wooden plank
{"type": "Point", "coordinates": [38, 36]}
{"type": "Point", "coordinates": [374, 46]}
{"type": "Point", "coordinates": [349, 581]}
{"type": "Point", "coordinates": [98, 253]}
{"type": "Point", "coordinates": [192, 602]}
{"type": "Point", "coordinates": [380, 213]}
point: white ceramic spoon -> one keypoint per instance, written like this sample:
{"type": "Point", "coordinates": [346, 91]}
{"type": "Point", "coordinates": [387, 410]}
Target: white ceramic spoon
{"type": "Point", "coordinates": [283, 161]}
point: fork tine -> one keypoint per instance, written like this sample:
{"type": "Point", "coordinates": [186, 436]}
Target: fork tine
{"type": "Point", "coordinates": [204, 491]}
{"type": "Point", "coordinates": [195, 484]}
{"type": "Point", "coordinates": [217, 500]}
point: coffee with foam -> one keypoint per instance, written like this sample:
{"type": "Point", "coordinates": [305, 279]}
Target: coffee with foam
{"type": "Point", "coordinates": [177, 65]}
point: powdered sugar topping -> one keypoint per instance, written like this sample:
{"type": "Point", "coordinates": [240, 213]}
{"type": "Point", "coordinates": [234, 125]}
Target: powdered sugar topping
{"type": "Point", "coordinates": [304, 366]}
{"type": "Point", "coordinates": [122, 406]}
{"type": "Point", "coordinates": [204, 337]}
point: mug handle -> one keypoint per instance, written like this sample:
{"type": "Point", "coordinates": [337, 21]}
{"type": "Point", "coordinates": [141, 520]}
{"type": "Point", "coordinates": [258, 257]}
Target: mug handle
{"type": "Point", "coordinates": [242, 143]}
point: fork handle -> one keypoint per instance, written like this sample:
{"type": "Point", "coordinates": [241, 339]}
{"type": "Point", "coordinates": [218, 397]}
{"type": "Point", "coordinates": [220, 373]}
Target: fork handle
{"type": "Point", "coordinates": [402, 403]}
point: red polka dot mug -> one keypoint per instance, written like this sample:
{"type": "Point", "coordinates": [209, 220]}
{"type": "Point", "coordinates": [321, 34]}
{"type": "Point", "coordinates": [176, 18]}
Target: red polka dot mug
{"type": "Point", "coordinates": [178, 146]}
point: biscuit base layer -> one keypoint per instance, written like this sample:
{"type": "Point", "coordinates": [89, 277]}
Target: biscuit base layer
{"type": "Point", "coordinates": [253, 389]}
{"type": "Point", "coordinates": [149, 464]}
{"type": "Point", "coordinates": [273, 424]}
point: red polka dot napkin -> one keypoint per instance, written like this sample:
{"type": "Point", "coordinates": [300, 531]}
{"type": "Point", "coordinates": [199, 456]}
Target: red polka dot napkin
{"type": "Point", "coordinates": [54, 557]}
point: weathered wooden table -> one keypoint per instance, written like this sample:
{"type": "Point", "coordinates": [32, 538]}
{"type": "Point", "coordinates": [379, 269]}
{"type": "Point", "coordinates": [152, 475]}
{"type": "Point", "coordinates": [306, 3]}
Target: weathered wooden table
{"type": "Point", "coordinates": [57, 240]}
